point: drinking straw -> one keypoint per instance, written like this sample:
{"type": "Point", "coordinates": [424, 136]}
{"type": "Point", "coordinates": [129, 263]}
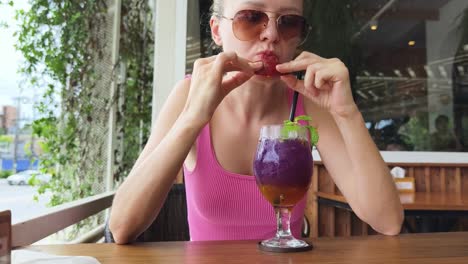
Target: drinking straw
{"type": "Point", "coordinates": [299, 76]}
{"type": "Point", "coordinates": [293, 106]}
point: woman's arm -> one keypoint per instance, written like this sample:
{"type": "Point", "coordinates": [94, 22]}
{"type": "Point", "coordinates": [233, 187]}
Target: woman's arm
{"type": "Point", "coordinates": [187, 110]}
{"type": "Point", "coordinates": [142, 194]}
{"type": "Point", "coordinates": [345, 145]}
{"type": "Point", "coordinates": [356, 166]}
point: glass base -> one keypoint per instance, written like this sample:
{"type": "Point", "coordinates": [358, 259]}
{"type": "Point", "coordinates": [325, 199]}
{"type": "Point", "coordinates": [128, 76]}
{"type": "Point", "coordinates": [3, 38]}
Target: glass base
{"type": "Point", "coordinates": [284, 244]}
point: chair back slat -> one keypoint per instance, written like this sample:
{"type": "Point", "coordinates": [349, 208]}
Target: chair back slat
{"type": "Point", "coordinates": [5, 235]}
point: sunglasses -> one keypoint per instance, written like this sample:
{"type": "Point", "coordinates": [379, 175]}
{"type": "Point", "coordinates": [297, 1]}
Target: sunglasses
{"type": "Point", "coordinates": [249, 24]}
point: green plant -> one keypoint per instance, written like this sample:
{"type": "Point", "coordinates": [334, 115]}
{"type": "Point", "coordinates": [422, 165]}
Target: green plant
{"type": "Point", "coordinates": [66, 47]}
{"type": "Point", "coordinates": [134, 112]}
{"type": "Point", "coordinates": [5, 141]}
{"type": "Point", "coordinates": [5, 173]}
{"type": "Point", "coordinates": [4, 24]}
{"type": "Point", "coordinates": [293, 126]}
{"type": "Point", "coordinates": [415, 132]}
{"type": "Point", "coordinates": [57, 41]}
{"type": "Point", "coordinates": [6, 138]}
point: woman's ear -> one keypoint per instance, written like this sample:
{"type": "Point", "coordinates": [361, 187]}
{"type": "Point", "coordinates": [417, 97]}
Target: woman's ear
{"type": "Point", "coordinates": [214, 25]}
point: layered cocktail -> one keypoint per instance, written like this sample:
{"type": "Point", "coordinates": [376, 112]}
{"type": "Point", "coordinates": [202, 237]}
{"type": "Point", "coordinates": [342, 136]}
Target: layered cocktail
{"type": "Point", "coordinates": [283, 171]}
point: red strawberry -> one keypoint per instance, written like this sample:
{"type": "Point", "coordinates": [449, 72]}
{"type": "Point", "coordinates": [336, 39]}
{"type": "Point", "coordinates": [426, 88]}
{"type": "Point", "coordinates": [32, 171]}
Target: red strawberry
{"type": "Point", "coordinates": [270, 61]}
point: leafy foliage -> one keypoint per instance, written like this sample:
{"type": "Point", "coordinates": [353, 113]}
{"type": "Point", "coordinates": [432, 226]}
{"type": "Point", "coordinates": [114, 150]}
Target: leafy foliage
{"type": "Point", "coordinates": [67, 51]}
{"type": "Point", "coordinates": [5, 173]}
{"type": "Point", "coordinates": [290, 126]}
{"type": "Point", "coordinates": [6, 138]}
{"type": "Point", "coordinates": [415, 132]}
{"type": "Point", "coordinates": [4, 24]}
{"type": "Point", "coordinates": [58, 41]}
{"type": "Point", "coordinates": [134, 102]}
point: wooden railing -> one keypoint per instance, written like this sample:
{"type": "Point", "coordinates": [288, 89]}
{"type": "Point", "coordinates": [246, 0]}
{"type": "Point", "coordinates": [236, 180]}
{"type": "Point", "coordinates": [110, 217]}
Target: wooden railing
{"type": "Point", "coordinates": [60, 217]}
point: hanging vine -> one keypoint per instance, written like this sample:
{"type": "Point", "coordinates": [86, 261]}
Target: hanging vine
{"type": "Point", "coordinates": [66, 47]}
{"type": "Point", "coordinates": [134, 111]}
{"type": "Point", "coordinates": [57, 41]}
{"type": "Point", "coordinates": [3, 23]}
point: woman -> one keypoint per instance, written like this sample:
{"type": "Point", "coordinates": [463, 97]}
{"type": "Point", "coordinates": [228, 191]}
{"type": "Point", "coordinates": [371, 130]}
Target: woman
{"type": "Point", "coordinates": [210, 126]}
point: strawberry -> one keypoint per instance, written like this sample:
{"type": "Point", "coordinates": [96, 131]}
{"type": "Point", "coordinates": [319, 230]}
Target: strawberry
{"type": "Point", "coordinates": [270, 61]}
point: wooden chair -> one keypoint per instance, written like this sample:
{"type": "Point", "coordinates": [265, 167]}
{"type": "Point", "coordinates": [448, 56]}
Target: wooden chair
{"type": "Point", "coordinates": [171, 223]}
{"type": "Point", "coordinates": [5, 236]}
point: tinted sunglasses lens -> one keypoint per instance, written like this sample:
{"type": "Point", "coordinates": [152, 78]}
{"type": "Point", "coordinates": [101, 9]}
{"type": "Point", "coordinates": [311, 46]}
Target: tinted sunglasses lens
{"type": "Point", "coordinates": [249, 24]}
{"type": "Point", "coordinates": [292, 26]}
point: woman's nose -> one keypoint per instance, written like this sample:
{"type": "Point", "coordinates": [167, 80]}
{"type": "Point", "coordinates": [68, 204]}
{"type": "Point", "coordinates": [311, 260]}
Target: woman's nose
{"type": "Point", "coordinates": [271, 31]}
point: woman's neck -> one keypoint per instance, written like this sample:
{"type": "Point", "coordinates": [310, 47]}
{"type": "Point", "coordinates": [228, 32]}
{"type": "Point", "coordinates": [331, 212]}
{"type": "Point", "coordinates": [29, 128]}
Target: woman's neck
{"type": "Point", "coordinates": [256, 100]}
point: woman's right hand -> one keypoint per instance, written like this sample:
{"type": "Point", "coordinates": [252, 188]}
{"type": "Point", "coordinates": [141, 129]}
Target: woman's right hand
{"type": "Point", "coordinates": [210, 83]}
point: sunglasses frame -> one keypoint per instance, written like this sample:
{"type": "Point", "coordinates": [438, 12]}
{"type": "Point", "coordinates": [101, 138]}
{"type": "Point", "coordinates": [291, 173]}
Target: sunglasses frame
{"type": "Point", "coordinates": [308, 27]}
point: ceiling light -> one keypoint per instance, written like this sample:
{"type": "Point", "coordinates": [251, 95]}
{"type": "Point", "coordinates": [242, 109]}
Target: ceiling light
{"type": "Point", "coordinates": [442, 71]}
{"type": "Point", "coordinates": [411, 72]}
{"type": "Point", "coordinates": [461, 70]}
{"type": "Point", "coordinates": [411, 43]}
{"type": "Point", "coordinates": [429, 71]}
{"type": "Point", "coordinates": [374, 96]}
{"type": "Point", "coordinates": [398, 73]}
{"type": "Point", "coordinates": [363, 95]}
{"type": "Point", "coordinates": [373, 25]}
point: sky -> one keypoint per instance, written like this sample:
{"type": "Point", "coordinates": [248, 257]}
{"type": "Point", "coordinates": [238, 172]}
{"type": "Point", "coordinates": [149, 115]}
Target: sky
{"type": "Point", "coordinates": [10, 60]}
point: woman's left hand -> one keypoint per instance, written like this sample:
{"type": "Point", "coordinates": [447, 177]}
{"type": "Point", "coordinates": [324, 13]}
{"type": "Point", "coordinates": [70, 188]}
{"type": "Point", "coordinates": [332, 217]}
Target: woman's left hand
{"type": "Point", "coordinates": [326, 82]}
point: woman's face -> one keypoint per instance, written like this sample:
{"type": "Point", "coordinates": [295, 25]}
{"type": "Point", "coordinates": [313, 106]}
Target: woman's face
{"type": "Point", "coordinates": [269, 40]}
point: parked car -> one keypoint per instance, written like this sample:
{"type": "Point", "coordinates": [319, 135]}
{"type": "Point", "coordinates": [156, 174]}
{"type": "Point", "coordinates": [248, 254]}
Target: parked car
{"type": "Point", "coordinates": [22, 178]}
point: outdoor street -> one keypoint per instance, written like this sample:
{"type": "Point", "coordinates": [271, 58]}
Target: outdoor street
{"type": "Point", "coordinates": [19, 199]}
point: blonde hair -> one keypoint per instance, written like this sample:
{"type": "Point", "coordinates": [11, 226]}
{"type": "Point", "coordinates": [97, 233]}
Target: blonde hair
{"type": "Point", "coordinates": [217, 7]}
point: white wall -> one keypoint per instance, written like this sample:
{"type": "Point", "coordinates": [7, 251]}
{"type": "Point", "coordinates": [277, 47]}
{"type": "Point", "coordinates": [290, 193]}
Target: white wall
{"type": "Point", "coordinates": [170, 49]}
{"type": "Point", "coordinates": [442, 40]}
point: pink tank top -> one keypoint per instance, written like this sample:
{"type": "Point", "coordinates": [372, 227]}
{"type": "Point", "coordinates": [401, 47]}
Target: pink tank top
{"type": "Point", "coordinates": [222, 205]}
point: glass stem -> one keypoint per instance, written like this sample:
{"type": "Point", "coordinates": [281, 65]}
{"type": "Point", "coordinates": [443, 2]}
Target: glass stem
{"type": "Point", "coordinates": [283, 218]}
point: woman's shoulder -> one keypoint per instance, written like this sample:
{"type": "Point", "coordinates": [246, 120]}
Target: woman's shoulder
{"type": "Point", "coordinates": [173, 105]}
{"type": "Point", "coordinates": [179, 93]}
{"type": "Point", "coordinates": [184, 84]}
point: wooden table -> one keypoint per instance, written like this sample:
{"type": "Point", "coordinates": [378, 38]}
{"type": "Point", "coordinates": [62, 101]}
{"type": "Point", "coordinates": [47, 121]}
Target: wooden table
{"type": "Point", "coordinates": [409, 248]}
{"type": "Point", "coordinates": [419, 203]}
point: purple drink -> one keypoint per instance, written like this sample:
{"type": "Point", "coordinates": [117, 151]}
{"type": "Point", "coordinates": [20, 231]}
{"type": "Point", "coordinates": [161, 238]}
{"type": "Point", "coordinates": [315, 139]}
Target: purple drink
{"type": "Point", "coordinates": [283, 169]}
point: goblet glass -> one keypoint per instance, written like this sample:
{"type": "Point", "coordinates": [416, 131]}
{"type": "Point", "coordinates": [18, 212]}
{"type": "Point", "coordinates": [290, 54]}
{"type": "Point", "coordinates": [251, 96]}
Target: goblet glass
{"type": "Point", "coordinates": [283, 171]}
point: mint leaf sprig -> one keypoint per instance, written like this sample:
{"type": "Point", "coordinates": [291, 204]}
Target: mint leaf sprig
{"type": "Point", "coordinates": [290, 126]}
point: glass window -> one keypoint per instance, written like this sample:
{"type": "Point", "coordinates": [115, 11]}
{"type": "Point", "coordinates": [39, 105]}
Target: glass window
{"type": "Point", "coordinates": [407, 61]}
{"type": "Point", "coordinates": [410, 78]}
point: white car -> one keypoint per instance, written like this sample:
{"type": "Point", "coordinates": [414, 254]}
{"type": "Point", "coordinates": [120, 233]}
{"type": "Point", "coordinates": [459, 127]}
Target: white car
{"type": "Point", "coordinates": [22, 178]}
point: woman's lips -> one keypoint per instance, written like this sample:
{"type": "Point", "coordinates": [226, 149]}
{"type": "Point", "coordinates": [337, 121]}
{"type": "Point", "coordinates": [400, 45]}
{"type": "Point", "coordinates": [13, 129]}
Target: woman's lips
{"type": "Point", "coordinates": [270, 60]}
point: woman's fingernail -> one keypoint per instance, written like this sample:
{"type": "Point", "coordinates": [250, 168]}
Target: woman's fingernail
{"type": "Point", "coordinates": [257, 64]}
{"type": "Point", "coordinates": [279, 66]}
